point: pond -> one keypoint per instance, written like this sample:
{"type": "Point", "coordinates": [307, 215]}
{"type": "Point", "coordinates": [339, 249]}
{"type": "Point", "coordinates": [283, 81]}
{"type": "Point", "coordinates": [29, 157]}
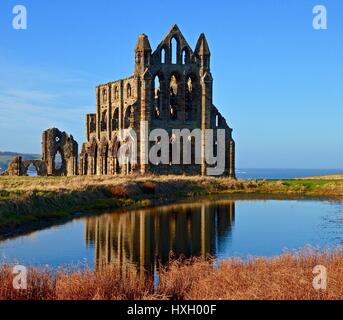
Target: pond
{"type": "Point", "coordinates": [221, 227]}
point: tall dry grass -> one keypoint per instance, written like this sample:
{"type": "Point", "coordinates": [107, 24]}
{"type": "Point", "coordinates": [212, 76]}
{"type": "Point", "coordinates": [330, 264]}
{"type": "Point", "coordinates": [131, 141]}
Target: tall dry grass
{"type": "Point", "coordinates": [287, 277]}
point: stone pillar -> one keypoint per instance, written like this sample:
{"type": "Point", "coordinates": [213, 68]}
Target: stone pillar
{"type": "Point", "coordinates": [206, 104]}
{"type": "Point", "coordinates": [109, 113]}
{"type": "Point", "coordinates": [232, 169]}
{"type": "Point", "coordinates": [143, 135]}
{"type": "Point", "coordinates": [98, 114]}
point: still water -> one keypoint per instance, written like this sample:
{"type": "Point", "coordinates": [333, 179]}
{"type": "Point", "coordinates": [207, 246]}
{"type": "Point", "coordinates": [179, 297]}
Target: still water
{"type": "Point", "coordinates": [144, 238]}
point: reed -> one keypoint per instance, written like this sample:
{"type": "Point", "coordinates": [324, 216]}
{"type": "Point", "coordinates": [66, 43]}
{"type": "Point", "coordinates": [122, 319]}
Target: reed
{"type": "Point", "coordinates": [287, 277]}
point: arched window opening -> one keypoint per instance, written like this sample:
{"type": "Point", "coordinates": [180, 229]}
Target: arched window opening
{"type": "Point", "coordinates": [103, 123]}
{"type": "Point", "coordinates": [32, 171]}
{"type": "Point", "coordinates": [116, 159]}
{"type": "Point", "coordinates": [217, 121]}
{"type": "Point", "coordinates": [116, 93]}
{"type": "Point", "coordinates": [58, 161]}
{"type": "Point", "coordinates": [163, 55]}
{"type": "Point", "coordinates": [185, 56]}
{"type": "Point", "coordinates": [92, 125]}
{"type": "Point", "coordinates": [173, 98]}
{"type": "Point", "coordinates": [128, 90]}
{"type": "Point", "coordinates": [174, 50]}
{"type": "Point", "coordinates": [115, 120]}
{"type": "Point", "coordinates": [95, 167]}
{"type": "Point", "coordinates": [189, 99]}
{"type": "Point", "coordinates": [129, 118]}
{"type": "Point", "coordinates": [157, 98]}
{"type": "Point", "coordinates": [104, 95]}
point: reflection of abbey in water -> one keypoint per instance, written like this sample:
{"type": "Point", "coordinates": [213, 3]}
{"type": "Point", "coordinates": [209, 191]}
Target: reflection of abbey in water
{"type": "Point", "coordinates": [146, 237]}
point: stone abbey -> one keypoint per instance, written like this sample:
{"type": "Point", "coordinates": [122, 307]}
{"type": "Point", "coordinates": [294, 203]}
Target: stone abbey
{"type": "Point", "coordinates": [171, 89]}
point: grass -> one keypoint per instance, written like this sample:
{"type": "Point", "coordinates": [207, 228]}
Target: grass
{"type": "Point", "coordinates": [30, 200]}
{"type": "Point", "coordinates": [287, 277]}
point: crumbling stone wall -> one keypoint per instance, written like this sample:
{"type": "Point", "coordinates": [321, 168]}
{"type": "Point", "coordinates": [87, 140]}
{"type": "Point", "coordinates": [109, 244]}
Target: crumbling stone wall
{"type": "Point", "coordinates": [171, 88]}
{"type": "Point", "coordinates": [19, 167]}
{"type": "Point", "coordinates": [55, 142]}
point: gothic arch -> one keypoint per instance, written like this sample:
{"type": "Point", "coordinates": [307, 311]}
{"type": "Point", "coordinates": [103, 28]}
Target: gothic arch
{"type": "Point", "coordinates": [185, 56]}
{"type": "Point", "coordinates": [115, 119]}
{"type": "Point", "coordinates": [114, 147]}
{"type": "Point", "coordinates": [94, 154]}
{"type": "Point", "coordinates": [128, 90]}
{"type": "Point", "coordinates": [116, 92]}
{"type": "Point", "coordinates": [191, 97]}
{"type": "Point", "coordinates": [175, 82]}
{"type": "Point", "coordinates": [174, 50]}
{"type": "Point", "coordinates": [103, 120]}
{"type": "Point", "coordinates": [104, 154]}
{"type": "Point", "coordinates": [164, 55]}
{"type": "Point", "coordinates": [129, 115]}
{"type": "Point", "coordinates": [158, 94]}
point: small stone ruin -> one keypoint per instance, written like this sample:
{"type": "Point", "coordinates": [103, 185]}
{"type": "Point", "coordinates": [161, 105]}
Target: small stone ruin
{"type": "Point", "coordinates": [59, 157]}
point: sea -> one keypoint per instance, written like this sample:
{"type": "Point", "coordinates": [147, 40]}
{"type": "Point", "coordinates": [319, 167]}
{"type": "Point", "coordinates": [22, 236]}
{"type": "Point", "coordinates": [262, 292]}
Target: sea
{"type": "Point", "coordinates": [276, 174]}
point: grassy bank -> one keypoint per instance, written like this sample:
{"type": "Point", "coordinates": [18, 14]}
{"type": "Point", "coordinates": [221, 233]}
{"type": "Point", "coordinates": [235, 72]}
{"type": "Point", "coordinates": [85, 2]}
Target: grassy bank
{"type": "Point", "coordinates": [288, 277]}
{"type": "Point", "coordinates": [27, 200]}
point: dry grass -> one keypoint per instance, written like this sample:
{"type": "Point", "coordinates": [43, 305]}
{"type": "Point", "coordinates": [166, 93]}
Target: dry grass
{"type": "Point", "coordinates": [288, 277]}
{"type": "Point", "coordinates": [327, 177]}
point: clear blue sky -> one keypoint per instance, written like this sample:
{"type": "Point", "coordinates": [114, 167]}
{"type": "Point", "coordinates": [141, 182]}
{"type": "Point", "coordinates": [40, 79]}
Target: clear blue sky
{"type": "Point", "coordinates": [278, 81]}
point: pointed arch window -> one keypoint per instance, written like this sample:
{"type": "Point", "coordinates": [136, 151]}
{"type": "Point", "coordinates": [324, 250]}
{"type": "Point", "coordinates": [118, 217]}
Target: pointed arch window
{"type": "Point", "coordinates": [58, 161]}
{"type": "Point", "coordinates": [173, 98]}
{"type": "Point", "coordinates": [189, 100]}
{"type": "Point", "coordinates": [116, 93]}
{"type": "Point", "coordinates": [185, 56]}
{"type": "Point", "coordinates": [104, 121]}
{"type": "Point", "coordinates": [104, 95]}
{"type": "Point", "coordinates": [128, 90]}
{"type": "Point", "coordinates": [163, 55]}
{"type": "Point", "coordinates": [174, 50]}
{"type": "Point", "coordinates": [157, 98]}
{"type": "Point", "coordinates": [115, 120]}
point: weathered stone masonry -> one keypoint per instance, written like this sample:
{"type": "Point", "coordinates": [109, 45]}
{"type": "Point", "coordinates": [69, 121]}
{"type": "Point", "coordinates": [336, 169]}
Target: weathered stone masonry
{"type": "Point", "coordinates": [171, 88]}
{"type": "Point", "coordinates": [54, 143]}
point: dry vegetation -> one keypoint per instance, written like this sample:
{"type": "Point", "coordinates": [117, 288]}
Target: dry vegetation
{"type": "Point", "coordinates": [288, 277]}
{"type": "Point", "coordinates": [29, 199]}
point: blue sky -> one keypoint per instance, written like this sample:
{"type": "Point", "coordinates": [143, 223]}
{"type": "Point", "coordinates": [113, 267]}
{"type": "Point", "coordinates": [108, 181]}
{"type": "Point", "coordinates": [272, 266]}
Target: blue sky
{"type": "Point", "coordinates": [278, 81]}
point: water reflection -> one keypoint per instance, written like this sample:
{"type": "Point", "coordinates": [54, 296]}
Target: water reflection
{"type": "Point", "coordinates": [145, 238]}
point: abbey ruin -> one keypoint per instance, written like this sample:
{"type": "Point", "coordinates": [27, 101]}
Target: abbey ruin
{"type": "Point", "coordinates": [171, 88]}
{"type": "Point", "coordinates": [55, 144]}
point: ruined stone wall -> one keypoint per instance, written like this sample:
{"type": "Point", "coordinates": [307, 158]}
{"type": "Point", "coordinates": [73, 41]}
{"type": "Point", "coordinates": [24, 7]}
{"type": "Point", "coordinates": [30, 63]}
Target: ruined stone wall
{"type": "Point", "coordinates": [19, 167]}
{"type": "Point", "coordinates": [171, 88]}
{"type": "Point", "coordinates": [56, 143]}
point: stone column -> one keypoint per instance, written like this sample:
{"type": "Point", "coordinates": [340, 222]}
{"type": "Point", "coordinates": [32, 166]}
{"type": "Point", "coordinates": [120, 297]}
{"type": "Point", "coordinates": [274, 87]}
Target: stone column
{"type": "Point", "coordinates": [206, 105]}
{"type": "Point", "coordinates": [232, 169]}
{"type": "Point", "coordinates": [143, 135]}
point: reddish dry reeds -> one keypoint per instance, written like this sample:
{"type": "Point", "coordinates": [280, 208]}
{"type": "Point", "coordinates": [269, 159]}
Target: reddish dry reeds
{"type": "Point", "coordinates": [287, 277]}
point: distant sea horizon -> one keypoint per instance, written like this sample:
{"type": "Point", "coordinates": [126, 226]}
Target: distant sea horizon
{"type": "Point", "coordinates": [276, 174]}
